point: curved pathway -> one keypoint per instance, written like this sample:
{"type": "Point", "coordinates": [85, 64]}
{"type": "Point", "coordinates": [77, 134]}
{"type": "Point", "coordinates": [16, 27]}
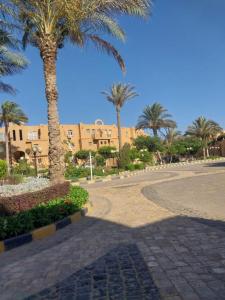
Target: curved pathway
{"type": "Point", "coordinates": [128, 247]}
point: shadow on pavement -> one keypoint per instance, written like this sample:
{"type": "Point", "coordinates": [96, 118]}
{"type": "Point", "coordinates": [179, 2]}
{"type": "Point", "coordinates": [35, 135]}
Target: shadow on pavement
{"type": "Point", "coordinates": [176, 257]}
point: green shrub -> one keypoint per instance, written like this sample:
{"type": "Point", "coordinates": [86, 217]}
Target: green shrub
{"type": "Point", "coordinates": [73, 172]}
{"type": "Point", "coordinates": [130, 167]}
{"type": "Point", "coordinates": [124, 158]}
{"type": "Point", "coordinates": [100, 161]}
{"type": "Point", "coordinates": [84, 154]}
{"type": "Point", "coordinates": [140, 166]}
{"type": "Point", "coordinates": [43, 214]}
{"type": "Point", "coordinates": [107, 151]}
{"type": "Point", "coordinates": [3, 169]}
{"type": "Point", "coordinates": [23, 168]}
{"type": "Point", "coordinates": [146, 157]}
{"type": "Point", "coordinates": [98, 172]}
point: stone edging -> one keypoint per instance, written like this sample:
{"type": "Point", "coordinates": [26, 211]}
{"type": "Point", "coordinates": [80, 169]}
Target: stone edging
{"type": "Point", "coordinates": [43, 232]}
{"type": "Point", "coordinates": [127, 174]}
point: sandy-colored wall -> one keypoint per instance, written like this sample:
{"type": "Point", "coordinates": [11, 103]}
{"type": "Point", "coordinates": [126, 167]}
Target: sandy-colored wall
{"type": "Point", "coordinates": [74, 137]}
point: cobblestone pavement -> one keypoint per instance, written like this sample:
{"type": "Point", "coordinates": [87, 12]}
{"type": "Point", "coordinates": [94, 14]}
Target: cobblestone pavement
{"type": "Point", "coordinates": [126, 235]}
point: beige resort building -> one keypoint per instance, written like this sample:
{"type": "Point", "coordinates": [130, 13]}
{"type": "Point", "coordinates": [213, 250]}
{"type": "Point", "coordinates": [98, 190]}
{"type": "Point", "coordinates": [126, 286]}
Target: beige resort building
{"type": "Point", "coordinates": [74, 137]}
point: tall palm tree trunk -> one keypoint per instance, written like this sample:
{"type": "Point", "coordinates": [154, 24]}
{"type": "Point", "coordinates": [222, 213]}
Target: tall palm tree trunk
{"type": "Point", "coordinates": [7, 147]}
{"type": "Point", "coordinates": [155, 132]}
{"type": "Point", "coordinates": [119, 128]}
{"type": "Point", "coordinates": [48, 49]}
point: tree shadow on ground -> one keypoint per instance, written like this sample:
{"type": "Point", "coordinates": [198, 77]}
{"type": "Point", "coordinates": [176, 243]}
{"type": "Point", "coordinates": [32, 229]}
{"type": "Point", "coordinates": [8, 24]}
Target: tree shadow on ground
{"type": "Point", "coordinates": [215, 165]}
{"type": "Point", "coordinates": [176, 257]}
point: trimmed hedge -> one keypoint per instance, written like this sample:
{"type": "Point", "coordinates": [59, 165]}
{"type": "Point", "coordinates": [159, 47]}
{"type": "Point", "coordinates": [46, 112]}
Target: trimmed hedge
{"type": "Point", "coordinates": [19, 203]}
{"type": "Point", "coordinates": [43, 214]}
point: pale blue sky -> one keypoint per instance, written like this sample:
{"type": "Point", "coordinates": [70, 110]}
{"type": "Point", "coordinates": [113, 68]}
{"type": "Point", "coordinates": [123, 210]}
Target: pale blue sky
{"type": "Point", "coordinates": [177, 58]}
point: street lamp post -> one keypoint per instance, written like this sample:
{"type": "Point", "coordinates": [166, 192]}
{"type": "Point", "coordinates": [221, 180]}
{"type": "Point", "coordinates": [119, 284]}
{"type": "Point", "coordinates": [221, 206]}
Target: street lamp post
{"type": "Point", "coordinates": [36, 150]}
{"type": "Point", "coordinates": [91, 165]}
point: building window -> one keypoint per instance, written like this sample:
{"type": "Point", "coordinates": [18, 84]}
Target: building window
{"type": "Point", "coordinates": [70, 133]}
{"type": "Point", "coordinates": [14, 135]}
{"type": "Point", "coordinates": [33, 135]}
{"type": "Point", "coordinates": [88, 131]}
{"type": "Point", "coordinates": [105, 142]}
{"type": "Point", "coordinates": [109, 133]}
{"type": "Point", "coordinates": [90, 143]}
{"type": "Point", "coordinates": [39, 134]}
{"type": "Point", "coordinates": [39, 160]}
{"type": "Point", "coordinates": [21, 134]}
{"type": "Point", "coordinates": [93, 131]}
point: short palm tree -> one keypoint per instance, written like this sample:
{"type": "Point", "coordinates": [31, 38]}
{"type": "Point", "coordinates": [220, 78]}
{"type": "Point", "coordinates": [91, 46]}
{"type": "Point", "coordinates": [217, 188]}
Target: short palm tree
{"type": "Point", "coordinates": [155, 117]}
{"type": "Point", "coordinates": [48, 24]}
{"type": "Point", "coordinates": [205, 130]}
{"type": "Point", "coordinates": [170, 135]}
{"type": "Point", "coordinates": [10, 113]}
{"type": "Point", "coordinates": [118, 95]}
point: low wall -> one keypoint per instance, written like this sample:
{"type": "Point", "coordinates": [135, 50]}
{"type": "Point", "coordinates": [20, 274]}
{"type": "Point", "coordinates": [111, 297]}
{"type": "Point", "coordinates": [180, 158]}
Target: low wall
{"type": "Point", "coordinates": [15, 204]}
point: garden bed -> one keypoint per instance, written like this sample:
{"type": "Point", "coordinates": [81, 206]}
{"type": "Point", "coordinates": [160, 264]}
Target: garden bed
{"type": "Point", "coordinates": [43, 214]}
{"type": "Point", "coordinates": [18, 203]}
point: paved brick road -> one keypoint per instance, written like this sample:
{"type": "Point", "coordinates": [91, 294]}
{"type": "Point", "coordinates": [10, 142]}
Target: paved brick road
{"type": "Point", "coordinates": [127, 248]}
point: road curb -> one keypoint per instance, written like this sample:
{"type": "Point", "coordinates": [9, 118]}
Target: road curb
{"type": "Point", "coordinates": [127, 174]}
{"type": "Point", "coordinates": [43, 232]}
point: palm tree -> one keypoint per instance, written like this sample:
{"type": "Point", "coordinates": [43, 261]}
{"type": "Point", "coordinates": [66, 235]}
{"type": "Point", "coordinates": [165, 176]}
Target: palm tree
{"type": "Point", "coordinates": [155, 117]}
{"type": "Point", "coordinates": [205, 130]}
{"type": "Point", "coordinates": [118, 95]}
{"type": "Point", "coordinates": [170, 135]}
{"type": "Point", "coordinates": [10, 113]}
{"type": "Point", "coordinates": [11, 62]}
{"type": "Point", "coordinates": [48, 24]}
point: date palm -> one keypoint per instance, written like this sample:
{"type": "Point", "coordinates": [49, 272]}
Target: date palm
{"type": "Point", "coordinates": [205, 130]}
{"type": "Point", "coordinates": [11, 62]}
{"type": "Point", "coordinates": [48, 24]}
{"type": "Point", "coordinates": [170, 135]}
{"type": "Point", "coordinates": [155, 117]}
{"type": "Point", "coordinates": [10, 113]}
{"type": "Point", "coordinates": [118, 95]}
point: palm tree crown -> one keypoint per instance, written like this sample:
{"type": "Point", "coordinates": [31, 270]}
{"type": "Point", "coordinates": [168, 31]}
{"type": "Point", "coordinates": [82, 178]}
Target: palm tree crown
{"type": "Point", "coordinates": [80, 21]}
{"type": "Point", "coordinates": [171, 134]}
{"type": "Point", "coordinates": [204, 129]}
{"type": "Point", "coordinates": [155, 117]}
{"type": "Point", "coordinates": [11, 62]}
{"type": "Point", "coordinates": [12, 113]}
{"type": "Point", "coordinates": [119, 94]}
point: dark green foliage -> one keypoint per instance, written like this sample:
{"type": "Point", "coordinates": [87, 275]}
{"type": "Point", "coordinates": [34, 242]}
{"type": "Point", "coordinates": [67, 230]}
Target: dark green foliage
{"type": "Point", "coordinates": [124, 158]}
{"type": "Point", "coordinates": [107, 151]}
{"type": "Point", "coordinates": [82, 154]}
{"type": "Point", "coordinates": [187, 146]}
{"type": "Point", "coordinates": [100, 161]}
{"type": "Point", "coordinates": [23, 168]}
{"type": "Point", "coordinates": [43, 214]}
{"type": "Point", "coordinates": [68, 157]}
{"type": "Point", "coordinates": [129, 167]}
{"type": "Point", "coordinates": [3, 169]}
{"type": "Point", "coordinates": [139, 166]}
{"type": "Point", "coordinates": [153, 144]}
{"type": "Point", "coordinates": [73, 172]}
{"type": "Point", "coordinates": [146, 157]}
{"type": "Point", "coordinates": [134, 154]}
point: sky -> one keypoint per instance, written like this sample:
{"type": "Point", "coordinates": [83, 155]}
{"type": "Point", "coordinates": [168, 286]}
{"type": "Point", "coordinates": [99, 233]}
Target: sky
{"type": "Point", "coordinates": [176, 58]}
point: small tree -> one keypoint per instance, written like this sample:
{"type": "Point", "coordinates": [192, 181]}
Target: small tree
{"type": "Point", "coordinates": [124, 159]}
{"type": "Point", "coordinates": [107, 151]}
{"type": "Point", "coordinates": [82, 154]}
{"type": "Point", "coordinates": [100, 161]}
